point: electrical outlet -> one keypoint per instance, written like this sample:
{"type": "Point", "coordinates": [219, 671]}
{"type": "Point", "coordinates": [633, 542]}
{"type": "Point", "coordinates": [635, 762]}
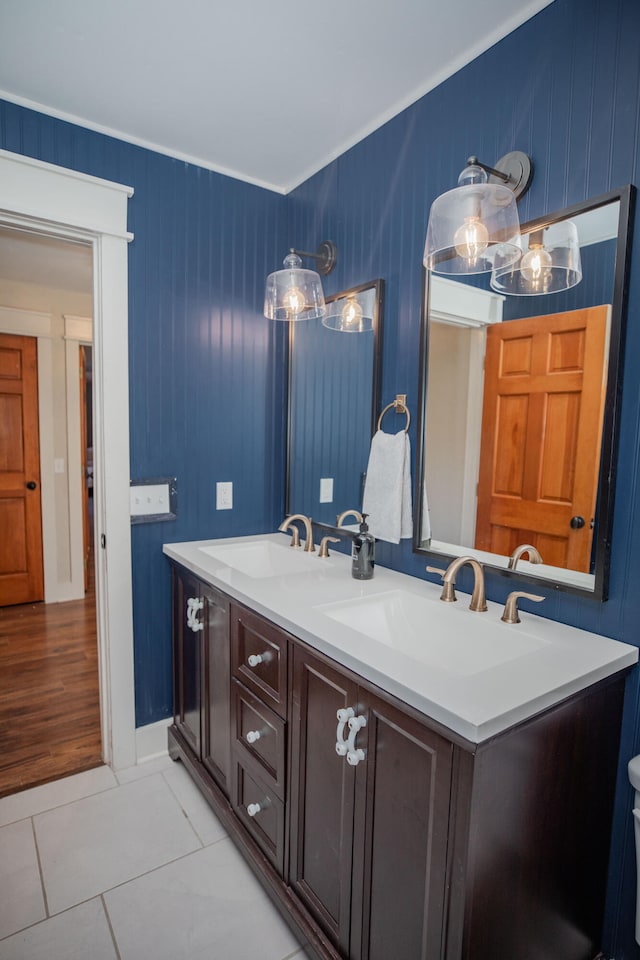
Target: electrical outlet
{"type": "Point", "coordinates": [224, 495]}
{"type": "Point", "coordinates": [326, 490]}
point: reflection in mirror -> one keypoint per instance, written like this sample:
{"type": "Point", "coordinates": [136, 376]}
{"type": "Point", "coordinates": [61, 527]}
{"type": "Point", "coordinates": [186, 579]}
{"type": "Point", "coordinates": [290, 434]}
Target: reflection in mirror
{"type": "Point", "coordinates": [518, 409]}
{"type": "Point", "coordinates": [334, 395]}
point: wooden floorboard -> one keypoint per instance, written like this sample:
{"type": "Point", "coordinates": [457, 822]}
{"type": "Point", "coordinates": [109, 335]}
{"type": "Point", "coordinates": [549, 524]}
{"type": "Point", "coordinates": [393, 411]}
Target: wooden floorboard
{"type": "Point", "coordinates": [49, 692]}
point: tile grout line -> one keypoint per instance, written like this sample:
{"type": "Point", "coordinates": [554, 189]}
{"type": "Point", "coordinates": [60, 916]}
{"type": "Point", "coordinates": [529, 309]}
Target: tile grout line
{"type": "Point", "coordinates": [56, 806]}
{"type": "Point", "coordinates": [110, 925]}
{"type": "Point", "coordinates": [103, 893]}
{"type": "Point", "coordinates": [40, 872]}
{"type": "Point", "coordinates": [184, 812]}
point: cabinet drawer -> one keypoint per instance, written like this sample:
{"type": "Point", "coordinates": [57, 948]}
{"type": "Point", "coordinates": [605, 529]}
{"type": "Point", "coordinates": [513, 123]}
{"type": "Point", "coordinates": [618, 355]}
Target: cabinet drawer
{"type": "Point", "coordinates": [266, 823]}
{"type": "Point", "coordinates": [259, 737]}
{"type": "Point", "coordinates": [259, 657]}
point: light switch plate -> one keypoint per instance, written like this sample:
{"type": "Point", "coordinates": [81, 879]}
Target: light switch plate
{"type": "Point", "coordinates": [149, 499]}
{"type": "Point", "coordinates": [152, 500]}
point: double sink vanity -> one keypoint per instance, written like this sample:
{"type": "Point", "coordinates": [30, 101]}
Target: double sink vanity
{"type": "Point", "coordinates": [407, 778]}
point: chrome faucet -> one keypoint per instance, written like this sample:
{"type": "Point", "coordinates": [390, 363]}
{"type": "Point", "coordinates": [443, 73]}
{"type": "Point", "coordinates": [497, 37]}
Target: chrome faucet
{"type": "Point", "coordinates": [309, 546]}
{"type": "Point", "coordinates": [534, 556]}
{"type": "Point", "coordinates": [478, 599]}
{"type": "Point", "coordinates": [348, 513]}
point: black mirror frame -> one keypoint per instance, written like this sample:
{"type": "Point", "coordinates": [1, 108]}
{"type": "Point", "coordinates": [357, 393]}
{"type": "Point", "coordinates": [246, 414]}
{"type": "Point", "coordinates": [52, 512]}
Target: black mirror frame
{"type": "Point", "coordinates": [611, 421]}
{"type": "Point", "coordinates": [376, 385]}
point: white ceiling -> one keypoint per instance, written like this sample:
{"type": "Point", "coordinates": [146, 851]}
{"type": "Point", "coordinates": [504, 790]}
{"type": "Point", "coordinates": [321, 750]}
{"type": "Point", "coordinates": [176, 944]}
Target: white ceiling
{"type": "Point", "coordinates": [264, 90]}
{"type": "Point", "coordinates": [35, 259]}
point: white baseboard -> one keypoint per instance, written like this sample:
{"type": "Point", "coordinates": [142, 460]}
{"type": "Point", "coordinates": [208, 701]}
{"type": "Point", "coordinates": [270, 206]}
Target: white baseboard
{"type": "Point", "coordinates": [151, 741]}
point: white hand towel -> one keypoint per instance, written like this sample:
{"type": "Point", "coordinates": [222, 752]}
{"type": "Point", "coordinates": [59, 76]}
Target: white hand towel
{"type": "Point", "coordinates": [387, 489]}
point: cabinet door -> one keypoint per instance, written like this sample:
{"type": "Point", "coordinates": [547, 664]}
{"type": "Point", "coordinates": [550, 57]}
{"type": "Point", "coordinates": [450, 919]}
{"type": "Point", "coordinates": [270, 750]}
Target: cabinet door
{"type": "Point", "coordinates": [403, 788]}
{"type": "Point", "coordinates": [217, 674]}
{"type": "Point", "coordinates": [188, 632]}
{"type": "Point", "coordinates": [322, 797]}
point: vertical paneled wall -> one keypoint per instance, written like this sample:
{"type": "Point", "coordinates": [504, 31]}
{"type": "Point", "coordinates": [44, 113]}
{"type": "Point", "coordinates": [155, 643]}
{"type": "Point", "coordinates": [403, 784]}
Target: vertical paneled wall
{"type": "Point", "coordinates": [565, 88]}
{"type": "Point", "coordinates": [205, 374]}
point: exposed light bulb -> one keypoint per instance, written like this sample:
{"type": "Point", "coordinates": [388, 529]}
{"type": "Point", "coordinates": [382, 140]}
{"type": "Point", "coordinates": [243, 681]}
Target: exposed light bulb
{"type": "Point", "coordinates": [294, 301]}
{"type": "Point", "coordinates": [536, 265]}
{"type": "Point", "coordinates": [471, 239]}
{"type": "Point", "coordinates": [352, 314]}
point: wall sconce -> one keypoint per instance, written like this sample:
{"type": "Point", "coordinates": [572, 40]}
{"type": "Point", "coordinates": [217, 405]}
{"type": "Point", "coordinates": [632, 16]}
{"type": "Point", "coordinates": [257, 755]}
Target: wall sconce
{"type": "Point", "coordinates": [550, 264]}
{"type": "Point", "coordinates": [295, 293]}
{"type": "Point", "coordinates": [349, 319]}
{"type": "Point", "coordinates": [471, 224]}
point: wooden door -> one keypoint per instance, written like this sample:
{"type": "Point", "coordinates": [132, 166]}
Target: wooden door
{"type": "Point", "coordinates": [541, 435]}
{"type": "Point", "coordinates": [21, 572]}
{"type": "Point", "coordinates": [403, 790]}
{"type": "Point", "coordinates": [322, 797]}
{"type": "Point", "coordinates": [188, 646]}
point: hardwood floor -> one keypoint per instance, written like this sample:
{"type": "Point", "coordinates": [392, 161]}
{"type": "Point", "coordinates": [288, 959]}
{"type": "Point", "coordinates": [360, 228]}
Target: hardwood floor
{"type": "Point", "coordinates": [49, 692]}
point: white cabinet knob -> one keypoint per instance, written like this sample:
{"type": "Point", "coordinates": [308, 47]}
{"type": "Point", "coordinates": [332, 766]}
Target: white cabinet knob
{"type": "Point", "coordinates": [253, 809]}
{"type": "Point", "coordinates": [254, 659]}
{"type": "Point", "coordinates": [253, 736]}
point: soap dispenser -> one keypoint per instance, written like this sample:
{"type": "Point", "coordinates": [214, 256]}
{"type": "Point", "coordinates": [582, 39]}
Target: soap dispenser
{"type": "Point", "coordinates": [363, 553]}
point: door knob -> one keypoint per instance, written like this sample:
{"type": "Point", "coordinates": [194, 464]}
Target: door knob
{"type": "Point", "coordinates": [31, 485]}
{"type": "Point", "coordinates": [576, 523]}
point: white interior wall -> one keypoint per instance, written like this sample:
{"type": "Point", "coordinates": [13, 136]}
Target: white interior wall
{"type": "Point", "coordinates": [446, 429]}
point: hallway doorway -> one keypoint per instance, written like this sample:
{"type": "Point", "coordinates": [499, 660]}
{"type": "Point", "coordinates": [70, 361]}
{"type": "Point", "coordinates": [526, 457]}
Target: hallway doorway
{"type": "Point", "coordinates": [54, 201]}
{"type": "Point", "coordinates": [49, 686]}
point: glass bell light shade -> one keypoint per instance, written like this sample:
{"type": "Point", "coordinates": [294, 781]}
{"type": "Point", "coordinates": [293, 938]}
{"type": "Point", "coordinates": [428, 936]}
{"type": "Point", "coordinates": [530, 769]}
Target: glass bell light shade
{"type": "Point", "coordinates": [349, 318]}
{"type": "Point", "coordinates": [470, 225]}
{"type": "Point", "coordinates": [293, 293]}
{"type": "Point", "coordinates": [550, 263]}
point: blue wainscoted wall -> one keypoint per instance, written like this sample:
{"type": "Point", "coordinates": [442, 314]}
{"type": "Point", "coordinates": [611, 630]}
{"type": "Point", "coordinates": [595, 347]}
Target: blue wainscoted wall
{"type": "Point", "coordinates": [206, 373]}
{"type": "Point", "coordinates": [565, 89]}
{"type": "Point", "coordinates": [205, 369]}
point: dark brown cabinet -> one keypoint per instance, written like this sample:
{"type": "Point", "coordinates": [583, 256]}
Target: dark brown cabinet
{"type": "Point", "coordinates": [201, 671]}
{"type": "Point", "coordinates": [259, 657]}
{"type": "Point", "coordinates": [369, 824]}
{"type": "Point", "coordinates": [188, 658]}
{"type": "Point", "coordinates": [378, 832]}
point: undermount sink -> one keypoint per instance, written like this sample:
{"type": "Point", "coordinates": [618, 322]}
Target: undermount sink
{"type": "Point", "coordinates": [261, 558]}
{"type": "Point", "coordinates": [432, 632]}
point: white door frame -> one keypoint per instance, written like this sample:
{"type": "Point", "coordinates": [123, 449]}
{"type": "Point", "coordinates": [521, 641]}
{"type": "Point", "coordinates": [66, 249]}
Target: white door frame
{"type": "Point", "coordinates": [52, 200]}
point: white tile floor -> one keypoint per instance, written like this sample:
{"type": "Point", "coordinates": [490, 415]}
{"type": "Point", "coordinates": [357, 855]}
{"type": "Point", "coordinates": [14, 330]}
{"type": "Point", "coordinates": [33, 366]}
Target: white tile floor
{"type": "Point", "coordinates": [133, 866]}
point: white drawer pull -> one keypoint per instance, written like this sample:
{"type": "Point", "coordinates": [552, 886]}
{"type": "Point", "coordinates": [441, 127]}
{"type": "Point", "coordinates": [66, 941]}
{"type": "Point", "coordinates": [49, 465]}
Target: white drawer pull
{"type": "Point", "coordinates": [194, 604]}
{"type": "Point", "coordinates": [253, 736]}
{"type": "Point", "coordinates": [343, 715]}
{"type": "Point", "coordinates": [355, 754]}
{"type": "Point", "coordinates": [254, 808]}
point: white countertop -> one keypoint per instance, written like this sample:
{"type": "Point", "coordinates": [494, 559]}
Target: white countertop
{"type": "Point", "coordinates": [535, 664]}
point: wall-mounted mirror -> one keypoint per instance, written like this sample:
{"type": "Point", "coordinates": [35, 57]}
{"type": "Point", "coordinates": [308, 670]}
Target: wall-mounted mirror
{"type": "Point", "coordinates": [519, 410]}
{"type": "Point", "coordinates": [334, 396]}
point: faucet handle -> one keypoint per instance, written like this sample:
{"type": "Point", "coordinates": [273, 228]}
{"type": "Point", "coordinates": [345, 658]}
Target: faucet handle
{"type": "Point", "coordinates": [510, 614]}
{"type": "Point", "coordinates": [324, 546]}
{"type": "Point", "coordinates": [448, 589]}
